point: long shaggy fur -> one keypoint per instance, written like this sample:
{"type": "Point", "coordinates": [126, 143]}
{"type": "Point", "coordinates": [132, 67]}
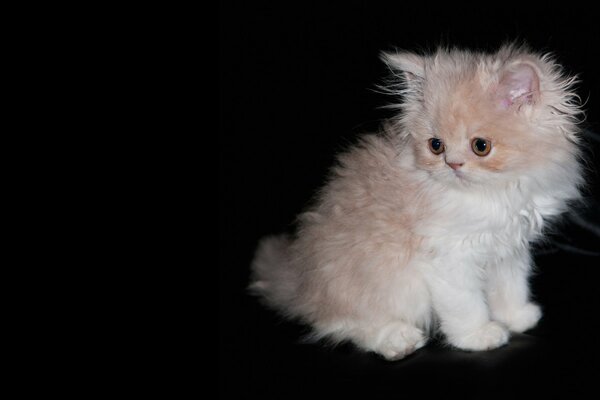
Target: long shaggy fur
{"type": "Point", "coordinates": [398, 238]}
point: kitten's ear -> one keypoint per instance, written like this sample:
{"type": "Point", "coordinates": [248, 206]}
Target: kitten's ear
{"type": "Point", "coordinates": [411, 65]}
{"type": "Point", "coordinates": [519, 84]}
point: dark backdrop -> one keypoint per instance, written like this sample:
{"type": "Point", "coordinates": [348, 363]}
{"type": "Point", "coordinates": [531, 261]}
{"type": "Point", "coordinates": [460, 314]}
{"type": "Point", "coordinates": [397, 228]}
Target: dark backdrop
{"type": "Point", "coordinates": [297, 85]}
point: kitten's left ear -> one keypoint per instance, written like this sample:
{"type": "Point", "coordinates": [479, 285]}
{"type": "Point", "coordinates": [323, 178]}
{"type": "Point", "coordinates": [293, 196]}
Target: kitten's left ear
{"type": "Point", "coordinates": [519, 84]}
{"type": "Point", "coordinates": [410, 64]}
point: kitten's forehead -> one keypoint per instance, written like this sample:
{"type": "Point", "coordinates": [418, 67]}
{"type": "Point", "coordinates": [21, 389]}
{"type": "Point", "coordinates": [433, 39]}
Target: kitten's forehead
{"type": "Point", "coordinates": [461, 109]}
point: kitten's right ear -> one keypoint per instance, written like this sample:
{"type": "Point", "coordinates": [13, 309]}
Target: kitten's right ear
{"type": "Point", "coordinates": [411, 65]}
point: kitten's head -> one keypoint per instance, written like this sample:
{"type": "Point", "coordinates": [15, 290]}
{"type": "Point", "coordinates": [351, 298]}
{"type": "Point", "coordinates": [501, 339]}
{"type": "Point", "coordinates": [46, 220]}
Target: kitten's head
{"type": "Point", "coordinates": [483, 119]}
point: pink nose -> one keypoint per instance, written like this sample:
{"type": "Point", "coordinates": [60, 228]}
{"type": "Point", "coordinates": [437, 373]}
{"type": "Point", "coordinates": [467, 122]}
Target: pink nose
{"type": "Point", "coordinates": [455, 166]}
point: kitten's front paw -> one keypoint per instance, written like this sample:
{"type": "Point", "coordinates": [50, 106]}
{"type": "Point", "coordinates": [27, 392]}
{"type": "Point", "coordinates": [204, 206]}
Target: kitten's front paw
{"type": "Point", "coordinates": [523, 319]}
{"type": "Point", "coordinates": [489, 336]}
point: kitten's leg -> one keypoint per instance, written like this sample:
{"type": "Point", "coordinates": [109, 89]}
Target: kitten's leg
{"type": "Point", "coordinates": [508, 294]}
{"type": "Point", "coordinates": [459, 301]}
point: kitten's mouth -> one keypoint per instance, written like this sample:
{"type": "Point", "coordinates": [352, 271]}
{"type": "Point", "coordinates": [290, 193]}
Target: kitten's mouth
{"type": "Point", "coordinates": [462, 178]}
{"type": "Point", "coordinates": [459, 174]}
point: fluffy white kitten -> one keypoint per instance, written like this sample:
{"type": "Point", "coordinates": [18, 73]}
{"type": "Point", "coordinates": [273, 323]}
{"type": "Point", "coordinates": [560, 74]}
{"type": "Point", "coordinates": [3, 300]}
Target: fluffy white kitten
{"type": "Point", "coordinates": [432, 219]}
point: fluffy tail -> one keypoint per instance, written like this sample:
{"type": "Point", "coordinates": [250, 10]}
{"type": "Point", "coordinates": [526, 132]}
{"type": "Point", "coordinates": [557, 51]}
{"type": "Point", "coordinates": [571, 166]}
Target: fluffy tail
{"type": "Point", "coordinates": [273, 277]}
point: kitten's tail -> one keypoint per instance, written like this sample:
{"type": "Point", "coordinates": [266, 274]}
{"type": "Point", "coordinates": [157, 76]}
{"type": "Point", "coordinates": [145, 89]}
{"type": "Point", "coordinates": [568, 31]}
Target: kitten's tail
{"type": "Point", "coordinates": [273, 277]}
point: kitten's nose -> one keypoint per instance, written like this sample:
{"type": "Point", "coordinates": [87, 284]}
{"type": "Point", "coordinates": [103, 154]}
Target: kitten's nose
{"type": "Point", "coordinates": [455, 166]}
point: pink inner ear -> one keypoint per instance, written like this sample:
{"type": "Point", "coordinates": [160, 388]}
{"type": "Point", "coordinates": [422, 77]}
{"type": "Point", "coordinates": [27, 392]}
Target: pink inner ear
{"type": "Point", "coordinates": [520, 84]}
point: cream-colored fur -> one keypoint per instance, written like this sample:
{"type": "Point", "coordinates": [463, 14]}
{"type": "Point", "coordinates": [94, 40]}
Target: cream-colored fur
{"type": "Point", "coordinates": [399, 244]}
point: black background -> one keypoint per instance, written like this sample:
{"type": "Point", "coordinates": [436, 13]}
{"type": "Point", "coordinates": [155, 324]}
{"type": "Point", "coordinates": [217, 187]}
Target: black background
{"type": "Point", "coordinates": [297, 85]}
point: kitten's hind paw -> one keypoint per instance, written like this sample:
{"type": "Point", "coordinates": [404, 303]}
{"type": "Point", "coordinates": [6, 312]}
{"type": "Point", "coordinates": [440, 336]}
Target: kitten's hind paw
{"type": "Point", "coordinates": [398, 340]}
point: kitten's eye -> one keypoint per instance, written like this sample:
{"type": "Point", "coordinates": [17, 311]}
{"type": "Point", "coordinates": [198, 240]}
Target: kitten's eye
{"type": "Point", "coordinates": [481, 147]}
{"type": "Point", "coordinates": [436, 146]}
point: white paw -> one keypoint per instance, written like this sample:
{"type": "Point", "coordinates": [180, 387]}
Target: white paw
{"type": "Point", "coordinates": [396, 341]}
{"type": "Point", "coordinates": [523, 319]}
{"type": "Point", "coordinates": [489, 336]}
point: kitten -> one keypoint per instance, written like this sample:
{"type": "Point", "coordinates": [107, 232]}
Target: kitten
{"type": "Point", "coordinates": [432, 219]}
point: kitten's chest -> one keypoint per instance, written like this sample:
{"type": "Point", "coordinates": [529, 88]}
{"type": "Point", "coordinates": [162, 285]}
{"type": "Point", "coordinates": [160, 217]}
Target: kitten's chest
{"type": "Point", "coordinates": [489, 224]}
